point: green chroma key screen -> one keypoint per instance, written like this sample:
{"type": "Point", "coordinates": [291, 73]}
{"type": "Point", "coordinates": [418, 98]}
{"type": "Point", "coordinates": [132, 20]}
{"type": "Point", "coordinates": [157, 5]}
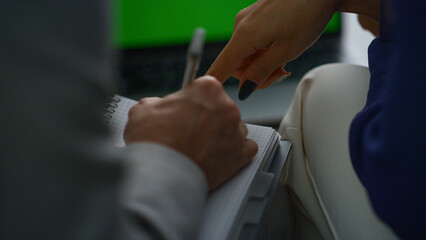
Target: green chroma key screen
{"type": "Point", "coordinates": [149, 23]}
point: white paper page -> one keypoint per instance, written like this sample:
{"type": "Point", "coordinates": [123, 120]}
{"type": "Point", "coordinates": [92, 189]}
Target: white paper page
{"type": "Point", "coordinates": [119, 118]}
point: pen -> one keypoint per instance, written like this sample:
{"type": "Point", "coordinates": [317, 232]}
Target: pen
{"type": "Point", "coordinates": [193, 56]}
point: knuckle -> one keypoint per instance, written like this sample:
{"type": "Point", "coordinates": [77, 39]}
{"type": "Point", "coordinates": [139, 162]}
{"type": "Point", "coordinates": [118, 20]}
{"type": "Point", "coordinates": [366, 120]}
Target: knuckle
{"type": "Point", "coordinates": [243, 29]}
{"type": "Point", "coordinates": [154, 99]}
{"type": "Point", "coordinates": [258, 72]}
{"type": "Point", "coordinates": [232, 109]}
{"type": "Point", "coordinates": [148, 100]}
{"type": "Point", "coordinates": [240, 137]}
{"type": "Point", "coordinates": [143, 101]}
{"type": "Point", "coordinates": [210, 86]}
{"type": "Point", "coordinates": [243, 128]}
{"type": "Point", "coordinates": [132, 111]}
{"type": "Point", "coordinates": [232, 113]}
{"type": "Point", "coordinates": [240, 16]}
{"type": "Point", "coordinates": [251, 147]}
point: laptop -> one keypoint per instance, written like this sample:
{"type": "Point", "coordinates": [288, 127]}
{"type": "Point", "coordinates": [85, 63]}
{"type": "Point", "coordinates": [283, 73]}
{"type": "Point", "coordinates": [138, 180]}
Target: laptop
{"type": "Point", "coordinates": [152, 38]}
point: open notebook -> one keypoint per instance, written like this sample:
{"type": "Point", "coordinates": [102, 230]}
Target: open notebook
{"type": "Point", "coordinates": [226, 211]}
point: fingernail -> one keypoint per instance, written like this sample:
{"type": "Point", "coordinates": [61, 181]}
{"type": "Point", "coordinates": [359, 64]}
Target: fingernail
{"type": "Point", "coordinates": [282, 78]}
{"type": "Point", "coordinates": [248, 87]}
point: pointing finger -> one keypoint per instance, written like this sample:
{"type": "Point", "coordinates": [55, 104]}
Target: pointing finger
{"type": "Point", "coordinates": [231, 58]}
{"type": "Point", "coordinates": [260, 69]}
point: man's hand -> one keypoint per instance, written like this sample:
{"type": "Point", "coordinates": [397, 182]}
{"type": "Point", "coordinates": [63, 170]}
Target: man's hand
{"type": "Point", "coordinates": [200, 121]}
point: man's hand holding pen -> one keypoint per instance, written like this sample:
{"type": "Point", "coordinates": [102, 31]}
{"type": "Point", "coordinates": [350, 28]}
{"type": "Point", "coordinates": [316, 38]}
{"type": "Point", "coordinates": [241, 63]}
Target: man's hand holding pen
{"type": "Point", "coordinates": [202, 122]}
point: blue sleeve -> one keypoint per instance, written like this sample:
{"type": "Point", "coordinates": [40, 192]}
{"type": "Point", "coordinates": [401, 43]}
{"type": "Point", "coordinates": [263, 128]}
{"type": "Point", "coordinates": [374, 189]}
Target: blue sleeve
{"type": "Point", "coordinates": [388, 137]}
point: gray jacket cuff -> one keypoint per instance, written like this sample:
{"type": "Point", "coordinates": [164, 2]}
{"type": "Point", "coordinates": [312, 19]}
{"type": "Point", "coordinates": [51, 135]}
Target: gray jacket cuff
{"type": "Point", "coordinates": [164, 192]}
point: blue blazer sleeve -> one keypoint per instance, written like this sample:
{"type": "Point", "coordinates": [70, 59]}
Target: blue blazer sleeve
{"type": "Point", "coordinates": [388, 137]}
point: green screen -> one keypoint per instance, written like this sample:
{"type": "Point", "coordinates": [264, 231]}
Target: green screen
{"type": "Point", "coordinates": [146, 23]}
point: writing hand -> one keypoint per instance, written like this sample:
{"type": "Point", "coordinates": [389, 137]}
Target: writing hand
{"type": "Point", "coordinates": [200, 121]}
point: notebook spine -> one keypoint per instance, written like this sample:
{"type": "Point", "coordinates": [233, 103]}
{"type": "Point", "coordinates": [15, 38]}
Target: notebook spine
{"type": "Point", "coordinates": [110, 108]}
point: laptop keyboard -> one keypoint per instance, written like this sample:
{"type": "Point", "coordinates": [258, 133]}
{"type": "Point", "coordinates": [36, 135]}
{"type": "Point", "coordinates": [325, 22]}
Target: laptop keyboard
{"type": "Point", "coordinates": [158, 71]}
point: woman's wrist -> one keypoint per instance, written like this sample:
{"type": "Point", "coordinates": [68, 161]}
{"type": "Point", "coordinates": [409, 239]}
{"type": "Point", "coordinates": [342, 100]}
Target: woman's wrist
{"type": "Point", "coordinates": [368, 8]}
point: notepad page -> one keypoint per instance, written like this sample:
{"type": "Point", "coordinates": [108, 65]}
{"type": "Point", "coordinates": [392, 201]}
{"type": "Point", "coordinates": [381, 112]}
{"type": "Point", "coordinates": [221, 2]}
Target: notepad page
{"type": "Point", "coordinates": [119, 118]}
{"type": "Point", "coordinates": [224, 203]}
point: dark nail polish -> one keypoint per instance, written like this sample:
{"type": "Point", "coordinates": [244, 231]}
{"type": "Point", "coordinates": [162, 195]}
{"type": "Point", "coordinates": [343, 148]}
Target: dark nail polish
{"type": "Point", "coordinates": [247, 88]}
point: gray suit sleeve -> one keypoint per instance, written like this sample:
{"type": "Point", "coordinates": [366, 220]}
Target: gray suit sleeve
{"type": "Point", "coordinates": [163, 191]}
{"type": "Point", "coordinates": [61, 178]}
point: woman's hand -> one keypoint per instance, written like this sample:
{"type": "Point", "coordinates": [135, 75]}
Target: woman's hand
{"type": "Point", "coordinates": [369, 24]}
{"type": "Point", "coordinates": [267, 35]}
